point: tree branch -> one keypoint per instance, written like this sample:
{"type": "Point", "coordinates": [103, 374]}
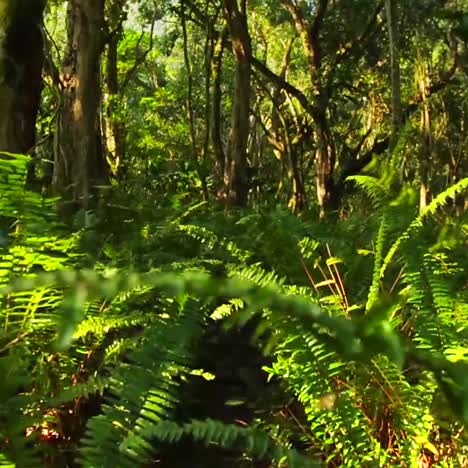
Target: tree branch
{"type": "Point", "coordinates": [314, 31]}
{"type": "Point", "coordinates": [354, 165]}
{"type": "Point", "coordinates": [349, 49]}
{"type": "Point", "coordinates": [140, 59]}
{"type": "Point", "coordinates": [283, 84]}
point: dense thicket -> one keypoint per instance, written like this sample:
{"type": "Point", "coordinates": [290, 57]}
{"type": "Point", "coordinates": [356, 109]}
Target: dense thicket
{"type": "Point", "coordinates": [233, 233]}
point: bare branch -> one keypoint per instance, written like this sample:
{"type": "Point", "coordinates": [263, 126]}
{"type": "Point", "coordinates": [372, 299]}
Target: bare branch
{"type": "Point", "coordinates": [283, 84]}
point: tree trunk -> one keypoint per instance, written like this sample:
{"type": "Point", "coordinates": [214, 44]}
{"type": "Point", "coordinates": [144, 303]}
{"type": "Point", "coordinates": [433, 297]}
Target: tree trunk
{"type": "Point", "coordinates": [114, 126]}
{"type": "Point", "coordinates": [325, 159]}
{"type": "Point", "coordinates": [21, 62]}
{"type": "Point", "coordinates": [297, 202]}
{"type": "Point", "coordinates": [216, 139]}
{"type": "Point", "coordinates": [426, 138]}
{"type": "Point", "coordinates": [79, 162]}
{"type": "Point", "coordinates": [391, 10]}
{"type": "Point", "coordinates": [287, 150]}
{"type": "Point", "coordinates": [325, 156]}
{"type": "Point", "coordinates": [236, 184]}
{"type": "Point", "coordinates": [198, 162]}
{"type": "Point", "coordinates": [208, 60]}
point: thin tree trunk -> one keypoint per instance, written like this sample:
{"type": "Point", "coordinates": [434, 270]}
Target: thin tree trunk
{"type": "Point", "coordinates": [325, 159]}
{"type": "Point", "coordinates": [278, 135]}
{"type": "Point", "coordinates": [114, 127]}
{"type": "Point", "coordinates": [426, 139]}
{"type": "Point", "coordinates": [209, 50]}
{"type": "Point", "coordinates": [391, 10]}
{"type": "Point", "coordinates": [79, 162]}
{"type": "Point", "coordinates": [298, 199]}
{"type": "Point", "coordinates": [216, 139]}
{"type": "Point", "coordinates": [189, 103]}
{"type": "Point", "coordinates": [21, 62]}
{"type": "Point", "coordinates": [236, 183]}
{"type": "Point", "coordinates": [325, 155]}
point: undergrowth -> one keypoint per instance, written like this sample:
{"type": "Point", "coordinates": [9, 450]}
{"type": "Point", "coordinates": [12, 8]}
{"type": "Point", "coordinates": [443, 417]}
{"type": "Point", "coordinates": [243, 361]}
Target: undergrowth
{"type": "Point", "coordinates": [364, 325]}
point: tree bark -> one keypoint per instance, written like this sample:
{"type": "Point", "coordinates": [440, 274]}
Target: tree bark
{"type": "Point", "coordinates": [79, 162]}
{"type": "Point", "coordinates": [278, 135]}
{"type": "Point", "coordinates": [236, 184]}
{"type": "Point", "coordinates": [190, 107]}
{"type": "Point", "coordinates": [114, 126]}
{"type": "Point", "coordinates": [325, 155]}
{"type": "Point", "coordinates": [208, 59]}
{"type": "Point", "coordinates": [426, 137]}
{"type": "Point", "coordinates": [325, 158]}
{"type": "Point", "coordinates": [391, 10]}
{"type": "Point", "coordinates": [216, 138]}
{"type": "Point", "coordinates": [21, 62]}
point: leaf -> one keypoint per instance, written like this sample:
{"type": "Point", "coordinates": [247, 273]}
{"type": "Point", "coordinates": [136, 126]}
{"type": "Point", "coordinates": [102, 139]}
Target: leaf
{"type": "Point", "coordinates": [72, 314]}
{"type": "Point", "coordinates": [422, 440]}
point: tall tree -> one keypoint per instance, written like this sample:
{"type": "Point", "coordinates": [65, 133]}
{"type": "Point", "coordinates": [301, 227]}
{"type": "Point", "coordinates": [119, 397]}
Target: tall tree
{"type": "Point", "coordinates": [21, 62]}
{"type": "Point", "coordinates": [325, 154]}
{"type": "Point", "coordinates": [113, 127]}
{"type": "Point", "coordinates": [79, 162]}
{"type": "Point", "coordinates": [391, 10]}
{"type": "Point", "coordinates": [235, 169]}
{"type": "Point", "coordinates": [215, 131]}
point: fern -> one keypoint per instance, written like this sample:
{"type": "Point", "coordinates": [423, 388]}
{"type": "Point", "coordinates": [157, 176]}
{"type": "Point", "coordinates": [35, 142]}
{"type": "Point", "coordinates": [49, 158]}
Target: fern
{"type": "Point", "coordinates": [92, 386]}
{"type": "Point", "coordinates": [212, 241]}
{"type": "Point", "coordinates": [374, 188]}
{"type": "Point", "coordinates": [380, 243]}
{"type": "Point", "coordinates": [416, 225]}
{"type": "Point", "coordinates": [34, 242]}
{"type": "Point", "coordinates": [367, 382]}
{"type": "Point", "coordinates": [18, 413]}
{"type": "Point", "coordinates": [254, 442]}
{"type": "Point", "coordinates": [143, 392]}
{"type": "Point", "coordinates": [258, 275]}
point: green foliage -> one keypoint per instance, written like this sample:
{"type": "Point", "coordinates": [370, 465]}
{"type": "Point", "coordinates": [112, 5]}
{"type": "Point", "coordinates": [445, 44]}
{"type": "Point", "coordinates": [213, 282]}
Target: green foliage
{"type": "Point", "coordinates": [142, 393]}
{"type": "Point", "coordinates": [255, 443]}
{"type": "Point", "coordinates": [122, 330]}
{"type": "Point", "coordinates": [32, 242]}
{"type": "Point", "coordinates": [373, 367]}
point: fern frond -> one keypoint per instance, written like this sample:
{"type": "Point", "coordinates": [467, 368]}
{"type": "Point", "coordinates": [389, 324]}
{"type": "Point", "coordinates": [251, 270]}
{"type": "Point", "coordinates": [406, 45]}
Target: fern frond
{"type": "Point", "coordinates": [378, 259]}
{"type": "Point", "coordinates": [374, 188]}
{"type": "Point", "coordinates": [100, 325]}
{"type": "Point", "coordinates": [258, 275]}
{"type": "Point", "coordinates": [17, 414]}
{"type": "Point", "coordinates": [143, 392]}
{"type": "Point", "coordinates": [430, 210]}
{"type": "Point", "coordinates": [351, 338]}
{"type": "Point", "coordinates": [256, 443]}
{"type": "Point", "coordinates": [213, 241]}
{"type": "Point", "coordinates": [430, 298]}
{"type": "Point", "coordinates": [80, 390]}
